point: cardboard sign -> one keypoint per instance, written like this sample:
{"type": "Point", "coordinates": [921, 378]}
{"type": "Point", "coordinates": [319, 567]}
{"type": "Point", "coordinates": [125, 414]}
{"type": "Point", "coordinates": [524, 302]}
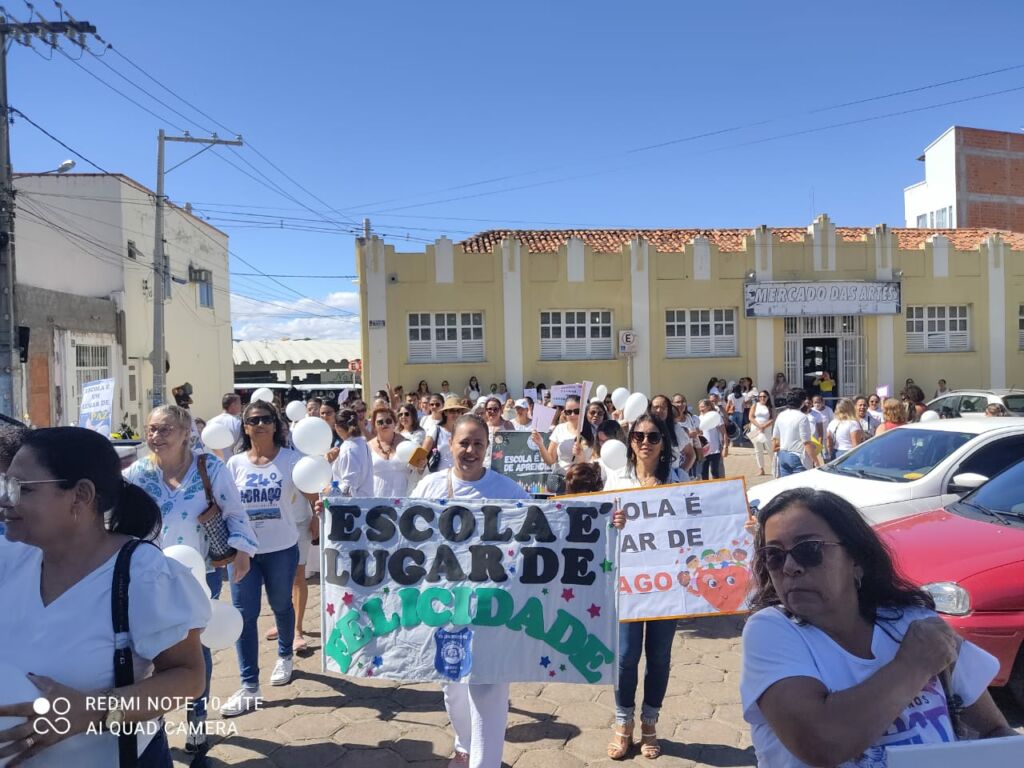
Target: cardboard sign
{"type": "Point", "coordinates": [531, 393]}
{"type": "Point", "coordinates": [562, 392]}
{"type": "Point", "coordinates": [97, 404]}
{"type": "Point", "coordinates": [543, 417]}
{"type": "Point", "coordinates": [1007, 750]}
{"type": "Point", "coordinates": [514, 455]}
{"type": "Point", "coordinates": [471, 591]}
{"type": "Point", "coordinates": [684, 551]}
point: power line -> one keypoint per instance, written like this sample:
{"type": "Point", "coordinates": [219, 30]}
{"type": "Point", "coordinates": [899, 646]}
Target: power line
{"type": "Point", "coordinates": [42, 130]}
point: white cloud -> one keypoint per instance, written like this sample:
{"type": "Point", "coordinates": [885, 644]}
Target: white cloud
{"type": "Point", "coordinates": [283, 318]}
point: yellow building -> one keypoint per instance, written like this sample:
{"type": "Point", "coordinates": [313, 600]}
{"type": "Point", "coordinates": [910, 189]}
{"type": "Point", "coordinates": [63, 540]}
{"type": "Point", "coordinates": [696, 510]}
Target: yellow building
{"type": "Point", "coordinates": [873, 306]}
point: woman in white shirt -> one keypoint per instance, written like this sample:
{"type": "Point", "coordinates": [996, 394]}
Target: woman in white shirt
{"type": "Point", "coordinates": [842, 657]}
{"type": "Point", "coordinates": [478, 712]}
{"type": "Point", "coordinates": [472, 391]}
{"type": "Point", "coordinates": [844, 431]}
{"type": "Point", "coordinates": [409, 424]}
{"type": "Point", "coordinates": [68, 515]}
{"type": "Point", "coordinates": [648, 464]}
{"type": "Point", "coordinates": [440, 439]}
{"type": "Point", "coordinates": [391, 477]}
{"type": "Point", "coordinates": [353, 469]}
{"type": "Point", "coordinates": [569, 441]}
{"type": "Point", "coordinates": [171, 477]}
{"type": "Point", "coordinates": [761, 417]}
{"type": "Point", "coordinates": [263, 477]}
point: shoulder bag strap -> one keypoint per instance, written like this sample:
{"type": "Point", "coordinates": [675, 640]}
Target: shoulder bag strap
{"type": "Point", "coordinates": [124, 671]}
{"type": "Point", "coordinates": [205, 475]}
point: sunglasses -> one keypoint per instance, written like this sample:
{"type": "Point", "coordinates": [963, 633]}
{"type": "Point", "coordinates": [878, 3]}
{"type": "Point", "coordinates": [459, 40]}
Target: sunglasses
{"type": "Point", "coordinates": [254, 421]}
{"type": "Point", "coordinates": [10, 488]}
{"type": "Point", "coordinates": [807, 554]}
{"type": "Point", "coordinates": [405, 415]}
{"type": "Point", "coordinates": [436, 405]}
{"type": "Point", "coordinates": [385, 422]}
{"type": "Point", "coordinates": [493, 410]}
{"type": "Point", "coordinates": [572, 411]}
{"type": "Point", "coordinates": [652, 438]}
{"type": "Point", "coordinates": [762, 397]}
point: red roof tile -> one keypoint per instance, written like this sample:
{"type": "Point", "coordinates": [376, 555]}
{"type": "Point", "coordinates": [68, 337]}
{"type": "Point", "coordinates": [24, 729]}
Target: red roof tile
{"type": "Point", "coordinates": [675, 240]}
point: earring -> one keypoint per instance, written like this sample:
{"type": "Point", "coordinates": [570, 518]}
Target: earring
{"type": "Point", "coordinates": [857, 582]}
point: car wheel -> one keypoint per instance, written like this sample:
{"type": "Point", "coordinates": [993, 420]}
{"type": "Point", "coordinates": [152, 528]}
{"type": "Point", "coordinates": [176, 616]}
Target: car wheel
{"type": "Point", "coordinates": [1015, 685]}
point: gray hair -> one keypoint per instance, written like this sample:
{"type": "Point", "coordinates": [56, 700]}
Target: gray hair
{"type": "Point", "coordinates": [178, 415]}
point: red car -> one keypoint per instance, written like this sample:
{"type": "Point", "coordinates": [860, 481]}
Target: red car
{"type": "Point", "coordinates": [969, 556]}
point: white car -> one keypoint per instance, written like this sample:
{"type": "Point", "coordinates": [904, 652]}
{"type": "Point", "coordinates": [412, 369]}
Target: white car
{"type": "Point", "coordinates": [913, 468]}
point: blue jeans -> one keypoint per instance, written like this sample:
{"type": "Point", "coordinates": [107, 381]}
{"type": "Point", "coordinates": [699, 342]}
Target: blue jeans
{"type": "Point", "coordinates": [658, 647]}
{"type": "Point", "coordinates": [790, 463]}
{"type": "Point", "coordinates": [276, 570]}
{"type": "Point", "coordinates": [197, 710]}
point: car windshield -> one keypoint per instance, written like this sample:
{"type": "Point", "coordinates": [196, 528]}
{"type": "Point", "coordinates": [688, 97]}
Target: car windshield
{"type": "Point", "coordinates": [900, 455]}
{"type": "Point", "coordinates": [1002, 492]}
{"type": "Point", "coordinates": [1014, 403]}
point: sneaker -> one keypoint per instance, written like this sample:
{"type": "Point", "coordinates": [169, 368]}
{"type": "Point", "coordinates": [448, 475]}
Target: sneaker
{"type": "Point", "coordinates": [243, 700]}
{"type": "Point", "coordinates": [282, 672]}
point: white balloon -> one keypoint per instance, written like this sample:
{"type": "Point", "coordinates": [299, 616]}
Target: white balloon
{"type": "Point", "coordinates": [601, 392]}
{"type": "Point", "coordinates": [217, 437]}
{"type": "Point", "coordinates": [405, 450]}
{"type": "Point", "coordinates": [929, 416]}
{"type": "Point", "coordinates": [295, 410]}
{"type": "Point", "coordinates": [710, 420]}
{"type": "Point", "coordinates": [192, 560]}
{"type": "Point", "coordinates": [613, 454]}
{"type": "Point", "coordinates": [312, 474]}
{"type": "Point", "coordinates": [619, 398]}
{"type": "Point", "coordinates": [312, 436]}
{"type": "Point", "coordinates": [264, 394]}
{"type": "Point", "coordinates": [635, 406]}
{"type": "Point", "coordinates": [224, 628]}
{"type": "Point", "coordinates": [15, 688]}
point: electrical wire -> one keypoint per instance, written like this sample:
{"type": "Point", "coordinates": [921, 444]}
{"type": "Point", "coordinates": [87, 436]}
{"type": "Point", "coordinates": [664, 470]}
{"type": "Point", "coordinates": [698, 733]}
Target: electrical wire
{"type": "Point", "coordinates": [49, 135]}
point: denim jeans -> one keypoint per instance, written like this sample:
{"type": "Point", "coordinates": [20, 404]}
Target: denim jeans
{"type": "Point", "coordinates": [789, 463]}
{"type": "Point", "coordinates": [658, 646]}
{"type": "Point", "coordinates": [275, 570]}
{"type": "Point", "coordinates": [712, 467]}
{"type": "Point", "coordinates": [197, 709]}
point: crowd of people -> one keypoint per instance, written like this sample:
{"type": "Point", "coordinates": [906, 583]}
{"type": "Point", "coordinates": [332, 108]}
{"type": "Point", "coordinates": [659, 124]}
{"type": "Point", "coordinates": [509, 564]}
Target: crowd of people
{"type": "Point", "coordinates": [837, 645]}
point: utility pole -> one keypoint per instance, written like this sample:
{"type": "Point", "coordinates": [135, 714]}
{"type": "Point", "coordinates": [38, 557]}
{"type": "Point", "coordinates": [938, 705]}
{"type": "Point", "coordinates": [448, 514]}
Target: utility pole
{"type": "Point", "coordinates": [161, 266]}
{"type": "Point", "coordinates": [10, 359]}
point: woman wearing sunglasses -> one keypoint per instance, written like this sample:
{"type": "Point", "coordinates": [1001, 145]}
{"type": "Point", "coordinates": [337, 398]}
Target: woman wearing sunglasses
{"type": "Point", "coordinates": [391, 477]}
{"type": "Point", "coordinates": [68, 513]}
{"type": "Point", "coordinates": [409, 424]}
{"type": "Point", "coordinates": [353, 469]}
{"type": "Point", "coordinates": [569, 442]}
{"type": "Point", "coordinates": [648, 463]}
{"type": "Point", "coordinates": [276, 508]}
{"type": "Point", "coordinates": [843, 656]}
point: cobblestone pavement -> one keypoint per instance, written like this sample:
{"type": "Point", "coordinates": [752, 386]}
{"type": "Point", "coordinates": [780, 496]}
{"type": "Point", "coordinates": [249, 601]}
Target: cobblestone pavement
{"type": "Point", "coordinates": [328, 720]}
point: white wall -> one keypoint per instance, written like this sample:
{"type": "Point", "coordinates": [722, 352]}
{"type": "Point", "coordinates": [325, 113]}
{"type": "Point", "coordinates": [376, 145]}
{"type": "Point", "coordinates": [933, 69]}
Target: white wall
{"type": "Point", "coordinates": [939, 187]}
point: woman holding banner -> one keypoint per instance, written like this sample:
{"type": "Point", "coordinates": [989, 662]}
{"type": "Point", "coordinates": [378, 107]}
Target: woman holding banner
{"type": "Point", "coordinates": [648, 464]}
{"type": "Point", "coordinates": [843, 657]}
{"type": "Point", "coordinates": [478, 712]}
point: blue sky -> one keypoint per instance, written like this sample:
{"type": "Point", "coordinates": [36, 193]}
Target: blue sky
{"type": "Point", "coordinates": [399, 110]}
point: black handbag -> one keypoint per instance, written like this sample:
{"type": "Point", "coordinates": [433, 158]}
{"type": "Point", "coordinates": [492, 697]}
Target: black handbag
{"type": "Point", "coordinates": [434, 460]}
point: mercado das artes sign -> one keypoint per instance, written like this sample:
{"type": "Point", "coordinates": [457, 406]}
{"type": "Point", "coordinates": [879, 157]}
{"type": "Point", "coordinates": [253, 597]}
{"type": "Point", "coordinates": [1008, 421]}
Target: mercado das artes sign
{"type": "Point", "coordinates": [685, 550]}
{"type": "Point", "coordinates": [476, 591]}
{"type": "Point", "coordinates": [830, 297]}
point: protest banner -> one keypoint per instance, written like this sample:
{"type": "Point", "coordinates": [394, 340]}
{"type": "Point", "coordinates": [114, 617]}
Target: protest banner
{"type": "Point", "coordinates": [95, 411]}
{"type": "Point", "coordinates": [561, 392]}
{"type": "Point", "coordinates": [684, 551]}
{"type": "Point", "coordinates": [515, 455]}
{"type": "Point", "coordinates": [1005, 750]}
{"type": "Point", "coordinates": [476, 591]}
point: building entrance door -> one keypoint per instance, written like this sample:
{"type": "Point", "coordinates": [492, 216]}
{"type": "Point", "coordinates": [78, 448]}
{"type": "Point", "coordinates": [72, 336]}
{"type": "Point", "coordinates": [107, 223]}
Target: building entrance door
{"type": "Point", "coordinates": [819, 355]}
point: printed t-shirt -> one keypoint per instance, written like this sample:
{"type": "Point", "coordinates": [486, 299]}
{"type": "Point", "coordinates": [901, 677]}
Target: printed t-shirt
{"type": "Point", "coordinates": [273, 503]}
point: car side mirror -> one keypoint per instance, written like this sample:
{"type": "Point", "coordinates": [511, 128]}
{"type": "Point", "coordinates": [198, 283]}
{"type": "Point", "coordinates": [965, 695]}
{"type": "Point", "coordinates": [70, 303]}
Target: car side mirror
{"type": "Point", "coordinates": [966, 481]}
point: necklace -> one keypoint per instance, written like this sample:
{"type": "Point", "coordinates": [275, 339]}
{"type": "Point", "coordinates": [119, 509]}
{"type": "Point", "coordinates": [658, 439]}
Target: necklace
{"type": "Point", "coordinates": [385, 451]}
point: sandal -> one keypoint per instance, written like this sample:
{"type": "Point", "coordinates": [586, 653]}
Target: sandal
{"type": "Point", "coordinates": [649, 746]}
{"type": "Point", "coordinates": [623, 741]}
{"type": "Point", "coordinates": [271, 633]}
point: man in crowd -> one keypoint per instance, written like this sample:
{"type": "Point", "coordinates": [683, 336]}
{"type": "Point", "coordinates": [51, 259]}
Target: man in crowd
{"type": "Point", "coordinates": [231, 418]}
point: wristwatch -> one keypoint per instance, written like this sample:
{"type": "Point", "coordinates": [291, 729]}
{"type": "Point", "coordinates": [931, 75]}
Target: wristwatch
{"type": "Point", "coordinates": [114, 718]}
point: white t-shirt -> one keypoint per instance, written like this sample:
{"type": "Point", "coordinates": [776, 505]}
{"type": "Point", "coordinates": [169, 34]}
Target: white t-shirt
{"type": "Point", "coordinates": [842, 433]}
{"type": "Point", "coordinates": [625, 479]}
{"type": "Point", "coordinates": [821, 418]}
{"type": "Point", "coordinates": [564, 439]}
{"type": "Point", "coordinates": [233, 425]}
{"type": "Point", "coordinates": [181, 507]}
{"type": "Point", "coordinates": [353, 469]}
{"type": "Point", "coordinates": [714, 438]}
{"type": "Point", "coordinates": [416, 435]}
{"type": "Point", "coordinates": [737, 403]}
{"type": "Point", "coordinates": [273, 503]}
{"type": "Point", "coordinates": [72, 638]}
{"type": "Point", "coordinates": [391, 477]}
{"type": "Point", "coordinates": [527, 427]}
{"type": "Point", "coordinates": [491, 486]}
{"type": "Point", "coordinates": [792, 429]}
{"type": "Point", "coordinates": [776, 647]}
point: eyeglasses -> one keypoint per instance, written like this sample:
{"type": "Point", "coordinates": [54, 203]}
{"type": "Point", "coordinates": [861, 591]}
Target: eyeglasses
{"type": "Point", "coordinates": [255, 421]}
{"type": "Point", "coordinates": [493, 410]}
{"type": "Point", "coordinates": [762, 397]}
{"type": "Point", "coordinates": [652, 438]}
{"type": "Point", "coordinates": [385, 422]}
{"type": "Point", "coordinates": [10, 488]}
{"type": "Point", "coordinates": [161, 431]}
{"type": "Point", "coordinates": [572, 411]}
{"type": "Point", "coordinates": [807, 554]}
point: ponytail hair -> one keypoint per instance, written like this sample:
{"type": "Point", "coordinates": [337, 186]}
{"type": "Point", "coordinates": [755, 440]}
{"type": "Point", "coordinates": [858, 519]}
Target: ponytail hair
{"type": "Point", "coordinates": [74, 454]}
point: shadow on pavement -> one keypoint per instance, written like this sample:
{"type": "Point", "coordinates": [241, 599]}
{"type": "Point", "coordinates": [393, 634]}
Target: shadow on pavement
{"type": "Point", "coordinates": [713, 627]}
{"type": "Point", "coordinates": [710, 754]}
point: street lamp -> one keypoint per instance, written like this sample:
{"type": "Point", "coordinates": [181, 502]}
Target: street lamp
{"type": "Point", "coordinates": [64, 167]}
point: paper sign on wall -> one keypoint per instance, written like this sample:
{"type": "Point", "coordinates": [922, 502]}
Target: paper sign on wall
{"type": "Point", "coordinates": [96, 409]}
{"type": "Point", "coordinates": [475, 591]}
{"type": "Point", "coordinates": [684, 550]}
